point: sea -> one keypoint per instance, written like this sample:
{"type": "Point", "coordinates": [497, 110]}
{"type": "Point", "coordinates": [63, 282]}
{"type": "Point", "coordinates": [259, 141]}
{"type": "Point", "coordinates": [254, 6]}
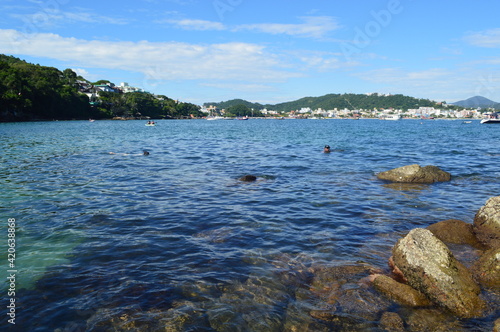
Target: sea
{"type": "Point", "coordinates": [110, 239]}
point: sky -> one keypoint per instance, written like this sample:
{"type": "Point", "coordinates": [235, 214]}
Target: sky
{"type": "Point", "coordinates": [265, 51]}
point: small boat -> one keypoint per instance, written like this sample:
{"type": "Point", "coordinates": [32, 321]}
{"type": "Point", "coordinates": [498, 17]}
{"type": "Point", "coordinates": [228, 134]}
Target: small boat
{"type": "Point", "coordinates": [150, 124]}
{"type": "Point", "coordinates": [243, 118]}
{"type": "Point", "coordinates": [91, 120]}
{"type": "Point", "coordinates": [466, 122]}
{"type": "Point", "coordinates": [491, 118]}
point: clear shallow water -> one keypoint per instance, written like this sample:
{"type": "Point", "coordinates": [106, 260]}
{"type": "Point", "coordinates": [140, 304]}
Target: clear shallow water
{"type": "Point", "coordinates": [113, 235]}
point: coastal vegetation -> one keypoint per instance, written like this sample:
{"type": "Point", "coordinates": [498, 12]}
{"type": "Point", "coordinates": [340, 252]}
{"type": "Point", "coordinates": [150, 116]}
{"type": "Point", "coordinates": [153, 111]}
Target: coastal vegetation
{"type": "Point", "coordinates": [30, 91]}
{"type": "Point", "coordinates": [35, 92]}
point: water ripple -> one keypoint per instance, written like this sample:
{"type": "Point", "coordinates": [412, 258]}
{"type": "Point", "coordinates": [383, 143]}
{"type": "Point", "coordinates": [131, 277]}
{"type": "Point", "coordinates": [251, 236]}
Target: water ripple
{"type": "Point", "coordinates": [176, 233]}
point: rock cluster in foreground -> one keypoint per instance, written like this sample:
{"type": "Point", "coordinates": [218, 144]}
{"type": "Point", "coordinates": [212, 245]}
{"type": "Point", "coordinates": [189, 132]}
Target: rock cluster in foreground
{"type": "Point", "coordinates": [422, 261]}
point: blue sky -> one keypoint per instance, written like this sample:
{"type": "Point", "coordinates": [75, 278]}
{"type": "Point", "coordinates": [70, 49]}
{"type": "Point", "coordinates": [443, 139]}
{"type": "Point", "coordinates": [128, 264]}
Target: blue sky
{"type": "Point", "coordinates": [265, 51]}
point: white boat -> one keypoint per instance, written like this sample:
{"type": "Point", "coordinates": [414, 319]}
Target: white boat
{"type": "Point", "coordinates": [215, 118]}
{"type": "Point", "coordinates": [491, 118]}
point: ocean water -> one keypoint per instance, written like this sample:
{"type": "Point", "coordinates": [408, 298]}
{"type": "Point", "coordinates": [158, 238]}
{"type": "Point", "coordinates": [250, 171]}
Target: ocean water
{"type": "Point", "coordinates": [108, 238]}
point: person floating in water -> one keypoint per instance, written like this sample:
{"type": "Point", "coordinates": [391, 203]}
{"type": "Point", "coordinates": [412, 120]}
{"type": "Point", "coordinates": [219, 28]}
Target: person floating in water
{"type": "Point", "coordinates": [326, 149]}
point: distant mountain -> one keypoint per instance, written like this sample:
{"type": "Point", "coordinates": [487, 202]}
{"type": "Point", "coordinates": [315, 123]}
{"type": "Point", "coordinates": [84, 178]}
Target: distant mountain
{"type": "Point", "coordinates": [339, 101]}
{"type": "Point", "coordinates": [477, 101]}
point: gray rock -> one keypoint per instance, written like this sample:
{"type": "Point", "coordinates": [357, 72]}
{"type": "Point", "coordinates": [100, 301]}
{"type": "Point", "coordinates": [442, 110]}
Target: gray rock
{"type": "Point", "coordinates": [415, 174]}
{"type": "Point", "coordinates": [430, 267]}
{"type": "Point", "coordinates": [487, 223]}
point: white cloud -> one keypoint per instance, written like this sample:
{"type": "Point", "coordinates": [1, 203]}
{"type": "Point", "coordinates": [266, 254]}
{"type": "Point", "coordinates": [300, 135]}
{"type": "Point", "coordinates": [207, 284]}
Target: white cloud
{"type": "Point", "coordinates": [46, 17]}
{"type": "Point", "coordinates": [488, 38]}
{"type": "Point", "coordinates": [400, 76]}
{"type": "Point", "coordinates": [155, 60]}
{"type": "Point", "coordinates": [428, 75]}
{"type": "Point", "coordinates": [312, 27]}
{"type": "Point", "coordinates": [199, 25]}
{"type": "Point", "coordinates": [81, 72]}
{"type": "Point", "coordinates": [239, 87]}
{"type": "Point", "coordinates": [316, 27]}
{"type": "Point", "coordinates": [439, 84]}
{"type": "Point", "coordinates": [322, 61]}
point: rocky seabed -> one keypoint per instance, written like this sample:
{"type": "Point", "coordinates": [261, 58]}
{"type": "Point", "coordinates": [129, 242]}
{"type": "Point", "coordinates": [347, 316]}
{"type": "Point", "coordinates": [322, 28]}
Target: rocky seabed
{"type": "Point", "coordinates": [426, 287]}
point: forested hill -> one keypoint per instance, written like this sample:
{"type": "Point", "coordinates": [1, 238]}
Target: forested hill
{"type": "Point", "coordinates": [339, 101]}
{"type": "Point", "coordinates": [29, 92]}
{"type": "Point", "coordinates": [34, 92]}
{"type": "Point", "coordinates": [236, 102]}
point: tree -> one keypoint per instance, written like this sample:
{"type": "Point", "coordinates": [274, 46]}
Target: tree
{"type": "Point", "coordinates": [70, 77]}
{"type": "Point", "coordinates": [241, 110]}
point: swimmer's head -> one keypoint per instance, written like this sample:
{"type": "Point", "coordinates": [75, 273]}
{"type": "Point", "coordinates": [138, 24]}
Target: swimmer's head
{"type": "Point", "coordinates": [146, 153]}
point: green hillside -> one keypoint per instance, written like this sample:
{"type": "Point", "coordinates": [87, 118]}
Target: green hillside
{"type": "Point", "coordinates": [339, 101]}
{"type": "Point", "coordinates": [235, 102]}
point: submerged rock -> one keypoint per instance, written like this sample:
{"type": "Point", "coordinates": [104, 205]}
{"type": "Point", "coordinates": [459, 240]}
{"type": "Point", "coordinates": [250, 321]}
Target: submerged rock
{"type": "Point", "coordinates": [256, 305]}
{"type": "Point", "coordinates": [425, 320]}
{"type": "Point", "coordinates": [487, 223]}
{"type": "Point", "coordinates": [455, 231]}
{"type": "Point", "coordinates": [343, 301]}
{"type": "Point", "coordinates": [400, 293]}
{"type": "Point", "coordinates": [487, 268]}
{"type": "Point", "coordinates": [415, 174]}
{"type": "Point", "coordinates": [391, 322]}
{"type": "Point", "coordinates": [430, 267]}
{"type": "Point", "coordinates": [248, 178]}
{"type": "Point", "coordinates": [298, 319]}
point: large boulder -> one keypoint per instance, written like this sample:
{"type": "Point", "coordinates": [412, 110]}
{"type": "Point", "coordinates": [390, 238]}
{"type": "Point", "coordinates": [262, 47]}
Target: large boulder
{"type": "Point", "coordinates": [430, 267]}
{"type": "Point", "coordinates": [456, 232]}
{"type": "Point", "coordinates": [487, 268]}
{"type": "Point", "coordinates": [487, 223]}
{"type": "Point", "coordinates": [415, 174]}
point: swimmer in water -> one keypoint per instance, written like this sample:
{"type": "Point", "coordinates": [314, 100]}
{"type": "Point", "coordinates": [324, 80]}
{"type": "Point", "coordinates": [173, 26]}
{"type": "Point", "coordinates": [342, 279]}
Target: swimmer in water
{"type": "Point", "coordinates": [326, 149]}
{"type": "Point", "coordinates": [144, 153]}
